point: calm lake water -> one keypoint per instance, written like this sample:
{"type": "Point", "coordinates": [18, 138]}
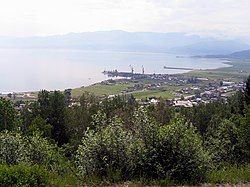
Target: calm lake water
{"type": "Point", "coordinates": [28, 70]}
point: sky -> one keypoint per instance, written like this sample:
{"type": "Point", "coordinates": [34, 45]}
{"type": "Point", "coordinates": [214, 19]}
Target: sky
{"type": "Point", "coordinates": [217, 18]}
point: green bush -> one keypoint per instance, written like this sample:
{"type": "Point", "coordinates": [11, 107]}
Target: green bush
{"type": "Point", "coordinates": [104, 153]}
{"type": "Point", "coordinates": [144, 149]}
{"type": "Point", "coordinates": [23, 175]}
{"type": "Point", "coordinates": [227, 142]}
{"type": "Point", "coordinates": [41, 151]}
{"type": "Point", "coordinates": [172, 151]}
{"type": "Point", "coordinates": [13, 149]}
{"type": "Point", "coordinates": [181, 155]}
{"type": "Point", "coordinates": [16, 149]}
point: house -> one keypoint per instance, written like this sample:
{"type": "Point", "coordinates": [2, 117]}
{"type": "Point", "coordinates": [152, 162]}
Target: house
{"type": "Point", "coordinates": [180, 103]}
{"type": "Point", "coordinates": [153, 101]}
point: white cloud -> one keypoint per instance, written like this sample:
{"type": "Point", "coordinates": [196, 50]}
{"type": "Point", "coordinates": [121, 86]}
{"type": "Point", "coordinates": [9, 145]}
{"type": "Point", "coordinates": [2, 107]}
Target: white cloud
{"type": "Point", "coordinates": [227, 18]}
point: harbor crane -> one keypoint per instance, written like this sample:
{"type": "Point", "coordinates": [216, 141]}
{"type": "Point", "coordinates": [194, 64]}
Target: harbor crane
{"type": "Point", "coordinates": [132, 69]}
{"type": "Point", "coordinates": [143, 70]}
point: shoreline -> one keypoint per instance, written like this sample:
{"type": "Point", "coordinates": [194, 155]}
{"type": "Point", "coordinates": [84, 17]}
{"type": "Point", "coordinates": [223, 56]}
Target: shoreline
{"type": "Point", "coordinates": [228, 62]}
{"type": "Point", "coordinates": [99, 82]}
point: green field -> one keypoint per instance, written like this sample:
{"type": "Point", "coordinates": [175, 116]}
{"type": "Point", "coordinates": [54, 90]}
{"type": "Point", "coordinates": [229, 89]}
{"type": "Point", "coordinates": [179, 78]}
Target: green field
{"type": "Point", "coordinates": [101, 89]}
{"type": "Point", "coordinates": [115, 89]}
{"type": "Point", "coordinates": [153, 93]}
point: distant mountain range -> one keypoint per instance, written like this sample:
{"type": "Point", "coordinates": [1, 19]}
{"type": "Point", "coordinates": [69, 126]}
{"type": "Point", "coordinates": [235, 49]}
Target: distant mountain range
{"type": "Point", "coordinates": [245, 54]}
{"type": "Point", "coordinates": [241, 54]}
{"type": "Point", "coordinates": [128, 41]}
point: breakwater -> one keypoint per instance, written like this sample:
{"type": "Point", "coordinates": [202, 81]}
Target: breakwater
{"type": "Point", "coordinates": [166, 67]}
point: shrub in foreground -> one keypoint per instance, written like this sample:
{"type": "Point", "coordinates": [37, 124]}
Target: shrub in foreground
{"type": "Point", "coordinates": [227, 142]}
{"type": "Point", "coordinates": [172, 151]}
{"type": "Point", "coordinates": [17, 149]}
{"type": "Point", "coordinates": [180, 152]}
{"type": "Point", "coordinates": [12, 148]}
{"type": "Point", "coordinates": [104, 153]}
{"type": "Point", "coordinates": [23, 175]}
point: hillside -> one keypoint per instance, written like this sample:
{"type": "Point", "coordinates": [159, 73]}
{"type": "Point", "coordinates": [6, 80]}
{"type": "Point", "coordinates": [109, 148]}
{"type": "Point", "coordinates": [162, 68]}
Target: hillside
{"type": "Point", "coordinates": [245, 54]}
{"type": "Point", "coordinates": [241, 54]}
{"type": "Point", "coordinates": [213, 47]}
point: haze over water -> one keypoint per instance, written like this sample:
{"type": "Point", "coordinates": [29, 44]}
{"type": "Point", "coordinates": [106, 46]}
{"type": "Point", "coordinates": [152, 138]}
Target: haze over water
{"type": "Point", "coordinates": [32, 70]}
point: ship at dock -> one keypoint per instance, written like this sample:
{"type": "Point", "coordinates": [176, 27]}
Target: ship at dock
{"type": "Point", "coordinates": [131, 74]}
{"type": "Point", "coordinates": [116, 73]}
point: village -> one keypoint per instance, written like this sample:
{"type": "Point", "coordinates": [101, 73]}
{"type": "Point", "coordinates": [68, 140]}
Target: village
{"type": "Point", "coordinates": [187, 91]}
{"type": "Point", "coordinates": [184, 91]}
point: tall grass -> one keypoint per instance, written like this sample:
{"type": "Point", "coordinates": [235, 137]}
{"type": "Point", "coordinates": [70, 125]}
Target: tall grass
{"type": "Point", "coordinates": [231, 174]}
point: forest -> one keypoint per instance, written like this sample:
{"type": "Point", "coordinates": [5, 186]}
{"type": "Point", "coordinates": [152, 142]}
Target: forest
{"type": "Point", "coordinates": [104, 141]}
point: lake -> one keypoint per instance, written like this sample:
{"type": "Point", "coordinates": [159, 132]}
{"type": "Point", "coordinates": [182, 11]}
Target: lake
{"type": "Point", "coordinates": [36, 69]}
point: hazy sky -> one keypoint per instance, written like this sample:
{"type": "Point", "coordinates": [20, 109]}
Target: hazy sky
{"type": "Point", "coordinates": [223, 18]}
